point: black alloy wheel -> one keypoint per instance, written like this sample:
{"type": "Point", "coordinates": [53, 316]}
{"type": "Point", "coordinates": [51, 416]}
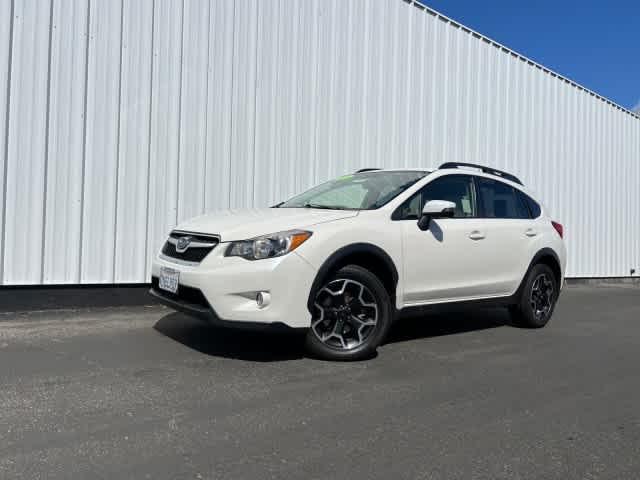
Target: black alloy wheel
{"type": "Point", "coordinates": [351, 315]}
{"type": "Point", "coordinates": [538, 297]}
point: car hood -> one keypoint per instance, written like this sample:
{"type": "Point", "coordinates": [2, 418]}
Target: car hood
{"type": "Point", "coordinates": [243, 224]}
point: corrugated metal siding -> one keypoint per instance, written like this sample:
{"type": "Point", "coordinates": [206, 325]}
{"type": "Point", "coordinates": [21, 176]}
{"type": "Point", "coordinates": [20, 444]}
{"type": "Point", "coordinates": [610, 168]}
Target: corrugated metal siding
{"type": "Point", "coordinates": [65, 154]}
{"type": "Point", "coordinates": [119, 119]}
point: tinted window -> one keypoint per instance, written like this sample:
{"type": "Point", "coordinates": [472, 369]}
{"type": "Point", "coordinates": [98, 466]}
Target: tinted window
{"type": "Point", "coordinates": [534, 208]}
{"type": "Point", "coordinates": [499, 200]}
{"type": "Point", "coordinates": [453, 188]}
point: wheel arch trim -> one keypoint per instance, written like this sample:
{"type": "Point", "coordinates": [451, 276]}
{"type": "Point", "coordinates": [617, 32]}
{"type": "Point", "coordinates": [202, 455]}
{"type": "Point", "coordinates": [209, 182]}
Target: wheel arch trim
{"type": "Point", "coordinates": [338, 257]}
{"type": "Point", "coordinates": [543, 252]}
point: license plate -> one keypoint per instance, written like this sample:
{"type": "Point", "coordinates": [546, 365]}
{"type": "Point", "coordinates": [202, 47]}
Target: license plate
{"type": "Point", "coordinates": [169, 279]}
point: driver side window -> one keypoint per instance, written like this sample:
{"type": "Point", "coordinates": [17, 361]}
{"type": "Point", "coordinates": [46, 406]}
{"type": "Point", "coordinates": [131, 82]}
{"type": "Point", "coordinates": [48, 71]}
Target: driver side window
{"type": "Point", "coordinates": [453, 188]}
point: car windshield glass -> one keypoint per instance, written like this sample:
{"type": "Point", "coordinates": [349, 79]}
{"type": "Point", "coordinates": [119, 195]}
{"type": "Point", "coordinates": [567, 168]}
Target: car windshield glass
{"type": "Point", "coordinates": [360, 191]}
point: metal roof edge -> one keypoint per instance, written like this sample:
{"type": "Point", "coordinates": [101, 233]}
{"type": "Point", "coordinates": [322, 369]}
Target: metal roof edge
{"type": "Point", "coordinates": [423, 6]}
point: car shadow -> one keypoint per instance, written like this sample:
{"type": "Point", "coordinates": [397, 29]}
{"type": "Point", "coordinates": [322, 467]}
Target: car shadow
{"type": "Point", "coordinates": [240, 344]}
{"type": "Point", "coordinates": [428, 324]}
{"type": "Point", "coordinates": [275, 346]}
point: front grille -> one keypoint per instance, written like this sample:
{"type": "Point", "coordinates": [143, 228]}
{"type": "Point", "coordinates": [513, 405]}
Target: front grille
{"type": "Point", "coordinates": [185, 295]}
{"type": "Point", "coordinates": [198, 246]}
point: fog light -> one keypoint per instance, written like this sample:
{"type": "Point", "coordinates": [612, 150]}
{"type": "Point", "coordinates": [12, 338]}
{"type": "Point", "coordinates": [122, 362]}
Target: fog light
{"type": "Point", "coordinates": [263, 299]}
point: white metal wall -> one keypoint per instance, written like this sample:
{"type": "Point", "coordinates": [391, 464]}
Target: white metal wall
{"type": "Point", "coordinates": [120, 118]}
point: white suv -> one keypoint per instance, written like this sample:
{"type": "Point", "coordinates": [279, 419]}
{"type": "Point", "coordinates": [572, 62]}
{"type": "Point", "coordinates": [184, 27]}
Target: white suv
{"type": "Point", "coordinates": [343, 258]}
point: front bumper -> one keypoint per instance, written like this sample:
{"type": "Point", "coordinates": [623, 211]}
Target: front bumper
{"type": "Point", "coordinates": [228, 286]}
{"type": "Point", "coordinates": [188, 300]}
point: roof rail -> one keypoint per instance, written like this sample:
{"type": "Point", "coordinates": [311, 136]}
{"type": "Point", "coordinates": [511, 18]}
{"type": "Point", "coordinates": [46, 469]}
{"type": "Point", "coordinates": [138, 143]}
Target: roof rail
{"type": "Point", "coordinates": [362, 170]}
{"type": "Point", "coordinates": [489, 170]}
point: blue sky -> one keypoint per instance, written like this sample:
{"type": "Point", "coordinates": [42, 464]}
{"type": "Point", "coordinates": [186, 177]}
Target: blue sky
{"type": "Point", "coordinates": [595, 43]}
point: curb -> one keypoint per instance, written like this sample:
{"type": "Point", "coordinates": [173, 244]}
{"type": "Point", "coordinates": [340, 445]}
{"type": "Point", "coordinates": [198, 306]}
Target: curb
{"type": "Point", "coordinates": [61, 297]}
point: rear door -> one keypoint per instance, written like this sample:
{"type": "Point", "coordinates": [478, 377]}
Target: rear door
{"type": "Point", "coordinates": [510, 234]}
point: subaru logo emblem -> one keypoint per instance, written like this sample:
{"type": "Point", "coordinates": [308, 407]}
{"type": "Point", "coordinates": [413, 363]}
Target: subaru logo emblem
{"type": "Point", "coordinates": [183, 244]}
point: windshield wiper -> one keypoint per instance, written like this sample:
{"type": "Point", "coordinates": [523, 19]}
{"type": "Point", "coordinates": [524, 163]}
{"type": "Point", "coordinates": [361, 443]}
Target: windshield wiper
{"type": "Point", "coordinates": [325, 207]}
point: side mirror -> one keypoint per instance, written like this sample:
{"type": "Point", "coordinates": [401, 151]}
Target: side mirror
{"type": "Point", "coordinates": [435, 209]}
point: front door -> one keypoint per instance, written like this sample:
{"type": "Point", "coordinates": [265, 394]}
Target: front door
{"type": "Point", "coordinates": [449, 261]}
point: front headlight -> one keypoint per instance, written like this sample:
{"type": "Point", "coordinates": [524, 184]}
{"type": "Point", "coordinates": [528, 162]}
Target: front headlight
{"type": "Point", "coordinates": [268, 246]}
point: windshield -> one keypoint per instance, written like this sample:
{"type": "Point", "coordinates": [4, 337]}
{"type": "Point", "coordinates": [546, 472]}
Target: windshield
{"type": "Point", "coordinates": [360, 191]}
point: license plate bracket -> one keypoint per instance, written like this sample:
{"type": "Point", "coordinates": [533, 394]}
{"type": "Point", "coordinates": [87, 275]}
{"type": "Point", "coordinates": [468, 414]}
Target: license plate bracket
{"type": "Point", "coordinates": [169, 279]}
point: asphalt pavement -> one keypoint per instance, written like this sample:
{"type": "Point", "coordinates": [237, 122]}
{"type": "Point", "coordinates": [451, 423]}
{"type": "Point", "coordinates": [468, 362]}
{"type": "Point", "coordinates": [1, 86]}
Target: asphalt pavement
{"type": "Point", "coordinates": [141, 392]}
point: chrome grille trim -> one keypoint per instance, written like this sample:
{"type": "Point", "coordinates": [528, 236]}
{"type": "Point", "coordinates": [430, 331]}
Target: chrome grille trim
{"type": "Point", "coordinates": [174, 241]}
{"type": "Point", "coordinates": [188, 248]}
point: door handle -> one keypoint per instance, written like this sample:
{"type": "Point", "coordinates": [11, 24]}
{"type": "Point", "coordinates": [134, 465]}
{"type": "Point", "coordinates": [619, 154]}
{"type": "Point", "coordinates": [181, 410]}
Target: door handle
{"type": "Point", "coordinates": [530, 232]}
{"type": "Point", "coordinates": [476, 235]}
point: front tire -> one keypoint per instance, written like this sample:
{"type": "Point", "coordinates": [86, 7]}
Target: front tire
{"type": "Point", "coordinates": [351, 316]}
{"type": "Point", "coordinates": [537, 298]}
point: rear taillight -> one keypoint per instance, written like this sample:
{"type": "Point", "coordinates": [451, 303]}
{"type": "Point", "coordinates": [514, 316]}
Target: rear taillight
{"type": "Point", "coordinates": [559, 228]}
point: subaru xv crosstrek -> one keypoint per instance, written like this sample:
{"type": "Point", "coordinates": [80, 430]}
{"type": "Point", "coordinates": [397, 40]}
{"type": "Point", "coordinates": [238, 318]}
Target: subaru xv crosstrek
{"type": "Point", "coordinates": [343, 259]}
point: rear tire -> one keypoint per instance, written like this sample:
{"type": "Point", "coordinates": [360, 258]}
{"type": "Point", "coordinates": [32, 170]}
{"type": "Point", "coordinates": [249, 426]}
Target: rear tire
{"type": "Point", "coordinates": [352, 313]}
{"type": "Point", "coordinates": [538, 298]}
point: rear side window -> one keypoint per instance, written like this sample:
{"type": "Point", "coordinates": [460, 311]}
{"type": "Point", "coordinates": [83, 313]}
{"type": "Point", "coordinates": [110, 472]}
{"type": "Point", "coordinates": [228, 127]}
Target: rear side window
{"type": "Point", "coordinates": [499, 200]}
{"type": "Point", "coordinates": [533, 206]}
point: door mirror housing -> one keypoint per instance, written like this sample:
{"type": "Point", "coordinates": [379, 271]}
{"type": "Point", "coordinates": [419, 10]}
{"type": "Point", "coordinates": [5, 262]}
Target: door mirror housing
{"type": "Point", "coordinates": [435, 209]}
